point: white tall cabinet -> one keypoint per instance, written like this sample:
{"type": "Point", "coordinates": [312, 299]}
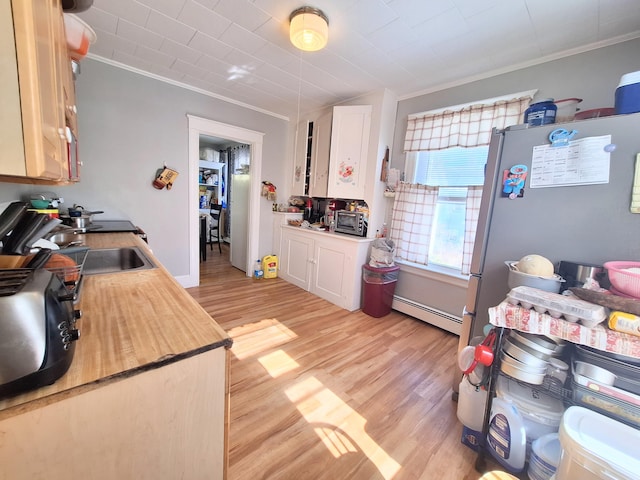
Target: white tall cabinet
{"type": "Point", "coordinates": [350, 131]}
{"type": "Point", "coordinates": [328, 265]}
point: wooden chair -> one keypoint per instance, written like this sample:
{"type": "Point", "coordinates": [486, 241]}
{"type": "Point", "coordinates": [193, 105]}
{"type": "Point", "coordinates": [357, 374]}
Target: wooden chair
{"type": "Point", "coordinates": [203, 238]}
{"type": "Point", "coordinates": [214, 228]}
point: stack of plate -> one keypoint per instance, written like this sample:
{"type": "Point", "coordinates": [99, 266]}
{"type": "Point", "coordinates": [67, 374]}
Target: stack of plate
{"type": "Point", "coordinates": [526, 356]}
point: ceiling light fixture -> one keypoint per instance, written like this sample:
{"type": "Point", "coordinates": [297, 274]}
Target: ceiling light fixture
{"type": "Point", "coordinates": [309, 29]}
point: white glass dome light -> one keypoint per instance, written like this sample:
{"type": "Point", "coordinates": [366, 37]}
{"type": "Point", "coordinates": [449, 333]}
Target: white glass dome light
{"type": "Point", "coordinates": [309, 29]}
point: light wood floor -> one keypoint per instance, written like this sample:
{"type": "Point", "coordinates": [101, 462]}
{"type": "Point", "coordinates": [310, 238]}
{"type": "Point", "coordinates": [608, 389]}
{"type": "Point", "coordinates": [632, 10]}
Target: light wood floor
{"type": "Point", "coordinates": [321, 393]}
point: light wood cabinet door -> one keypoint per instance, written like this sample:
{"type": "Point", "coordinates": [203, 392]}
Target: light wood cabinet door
{"type": "Point", "coordinates": [37, 27]}
{"type": "Point", "coordinates": [350, 132]}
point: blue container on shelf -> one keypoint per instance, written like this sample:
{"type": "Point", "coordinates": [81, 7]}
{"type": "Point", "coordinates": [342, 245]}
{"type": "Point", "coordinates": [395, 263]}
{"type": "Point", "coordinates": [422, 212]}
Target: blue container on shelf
{"type": "Point", "coordinates": [541, 113]}
{"type": "Point", "coordinates": [628, 94]}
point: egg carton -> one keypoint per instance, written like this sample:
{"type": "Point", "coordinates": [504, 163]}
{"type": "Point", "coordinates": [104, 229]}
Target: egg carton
{"type": "Point", "coordinates": [556, 305]}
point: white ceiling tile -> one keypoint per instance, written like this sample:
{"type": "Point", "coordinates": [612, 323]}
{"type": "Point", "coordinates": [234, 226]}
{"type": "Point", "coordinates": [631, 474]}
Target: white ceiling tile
{"type": "Point", "coordinates": [99, 19]}
{"type": "Point", "coordinates": [209, 45]}
{"type": "Point", "coordinates": [133, 12]}
{"type": "Point", "coordinates": [238, 37]}
{"type": "Point", "coordinates": [114, 41]}
{"type": "Point", "coordinates": [278, 34]}
{"type": "Point", "coordinates": [275, 55]}
{"type": "Point", "coordinates": [242, 12]}
{"type": "Point", "coordinates": [242, 60]}
{"type": "Point", "coordinates": [414, 12]}
{"type": "Point", "coordinates": [367, 16]}
{"type": "Point", "coordinates": [131, 60]}
{"type": "Point", "coordinates": [180, 51]}
{"type": "Point", "coordinates": [189, 69]}
{"type": "Point", "coordinates": [214, 66]}
{"type": "Point", "coordinates": [154, 57]}
{"type": "Point", "coordinates": [171, 8]}
{"type": "Point", "coordinates": [203, 19]}
{"type": "Point", "coordinates": [469, 8]}
{"type": "Point", "coordinates": [170, 28]}
{"type": "Point", "coordinates": [288, 80]}
{"type": "Point", "coordinates": [394, 35]}
{"type": "Point", "coordinates": [444, 27]}
{"type": "Point", "coordinates": [138, 34]}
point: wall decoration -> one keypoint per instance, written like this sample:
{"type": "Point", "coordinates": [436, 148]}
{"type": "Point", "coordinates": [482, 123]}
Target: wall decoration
{"type": "Point", "coordinates": [269, 191]}
{"type": "Point", "coordinates": [165, 177]}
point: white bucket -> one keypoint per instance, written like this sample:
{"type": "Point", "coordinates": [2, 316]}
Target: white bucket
{"type": "Point", "coordinates": [540, 412]}
{"type": "Point", "coordinates": [545, 457]}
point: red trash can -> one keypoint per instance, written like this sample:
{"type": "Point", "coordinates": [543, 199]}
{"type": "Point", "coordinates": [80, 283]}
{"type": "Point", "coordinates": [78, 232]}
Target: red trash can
{"type": "Point", "coordinates": [378, 287]}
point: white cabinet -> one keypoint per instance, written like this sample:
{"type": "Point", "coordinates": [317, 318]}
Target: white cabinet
{"type": "Point", "coordinates": [350, 131]}
{"type": "Point", "coordinates": [212, 178]}
{"type": "Point", "coordinates": [325, 264]}
{"type": "Point", "coordinates": [311, 159]}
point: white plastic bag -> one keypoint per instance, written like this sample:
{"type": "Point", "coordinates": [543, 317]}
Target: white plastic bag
{"type": "Point", "coordinates": [382, 253]}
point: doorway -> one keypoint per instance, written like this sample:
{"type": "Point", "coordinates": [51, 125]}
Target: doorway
{"type": "Point", "coordinates": [200, 126]}
{"type": "Point", "coordinates": [230, 190]}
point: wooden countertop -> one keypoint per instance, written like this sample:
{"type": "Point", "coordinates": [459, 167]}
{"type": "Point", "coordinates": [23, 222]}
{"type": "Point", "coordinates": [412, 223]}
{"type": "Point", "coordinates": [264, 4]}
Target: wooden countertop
{"type": "Point", "coordinates": [131, 322]}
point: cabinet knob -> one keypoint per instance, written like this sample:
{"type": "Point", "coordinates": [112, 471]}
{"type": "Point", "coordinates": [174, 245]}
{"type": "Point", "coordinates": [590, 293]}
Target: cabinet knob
{"type": "Point", "coordinates": [62, 133]}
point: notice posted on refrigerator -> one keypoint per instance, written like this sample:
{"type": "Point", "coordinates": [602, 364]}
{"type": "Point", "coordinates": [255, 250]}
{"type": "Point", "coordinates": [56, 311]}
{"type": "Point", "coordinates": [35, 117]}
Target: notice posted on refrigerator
{"type": "Point", "coordinates": [581, 162]}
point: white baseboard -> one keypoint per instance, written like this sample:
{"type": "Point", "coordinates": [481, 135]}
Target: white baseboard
{"type": "Point", "coordinates": [427, 314]}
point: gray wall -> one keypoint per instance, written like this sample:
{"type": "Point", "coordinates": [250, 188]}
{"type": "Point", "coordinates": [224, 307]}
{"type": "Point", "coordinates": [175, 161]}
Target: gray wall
{"type": "Point", "coordinates": [592, 76]}
{"type": "Point", "coordinates": [129, 126]}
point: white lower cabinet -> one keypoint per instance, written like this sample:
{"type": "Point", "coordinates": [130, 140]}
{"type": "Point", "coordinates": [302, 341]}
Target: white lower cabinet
{"type": "Point", "coordinates": [327, 265]}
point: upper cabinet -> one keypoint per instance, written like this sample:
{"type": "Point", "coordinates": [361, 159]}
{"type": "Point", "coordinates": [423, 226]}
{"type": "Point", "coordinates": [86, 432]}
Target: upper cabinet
{"type": "Point", "coordinates": [350, 131]}
{"type": "Point", "coordinates": [38, 126]}
{"type": "Point", "coordinates": [311, 168]}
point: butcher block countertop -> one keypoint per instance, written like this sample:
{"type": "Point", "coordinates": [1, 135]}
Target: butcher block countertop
{"type": "Point", "coordinates": [132, 321]}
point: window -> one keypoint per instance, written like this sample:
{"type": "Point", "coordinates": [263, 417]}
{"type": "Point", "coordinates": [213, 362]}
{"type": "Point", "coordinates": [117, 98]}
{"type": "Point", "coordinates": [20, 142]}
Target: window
{"type": "Point", "coordinates": [435, 211]}
{"type": "Point", "coordinates": [453, 170]}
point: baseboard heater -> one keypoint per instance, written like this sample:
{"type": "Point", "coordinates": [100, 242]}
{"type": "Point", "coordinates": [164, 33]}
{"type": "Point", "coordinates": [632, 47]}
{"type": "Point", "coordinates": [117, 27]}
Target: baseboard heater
{"type": "Point", "coordinates": [427, 314]}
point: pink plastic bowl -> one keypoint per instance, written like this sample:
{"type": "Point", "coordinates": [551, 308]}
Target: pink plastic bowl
{"type": "Point", "coordinates": [624, 280]}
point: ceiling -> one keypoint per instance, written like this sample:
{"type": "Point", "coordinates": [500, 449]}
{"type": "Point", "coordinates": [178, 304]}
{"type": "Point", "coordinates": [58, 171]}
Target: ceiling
{"type": "Point", "coordinates": [240, 50]}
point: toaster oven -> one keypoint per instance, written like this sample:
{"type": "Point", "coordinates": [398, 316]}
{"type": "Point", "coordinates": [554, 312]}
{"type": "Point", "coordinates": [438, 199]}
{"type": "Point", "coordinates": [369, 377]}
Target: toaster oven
{"type": "Point", "coordinates": [353, 223]}
{"type": "Point", "coordinates": [38, 329]}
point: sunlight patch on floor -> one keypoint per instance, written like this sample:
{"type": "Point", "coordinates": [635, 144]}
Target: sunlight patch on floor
{"type": "Point", "coordinates": [343, 429]}
{"type": "Point", "coordinates": [255, 338]}
{"type": "Point", "coordinates": [277, 363]}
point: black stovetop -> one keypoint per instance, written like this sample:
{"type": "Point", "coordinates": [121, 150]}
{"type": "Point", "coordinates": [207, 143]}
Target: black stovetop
{"type": "Point", "coordinates": [112, 226]}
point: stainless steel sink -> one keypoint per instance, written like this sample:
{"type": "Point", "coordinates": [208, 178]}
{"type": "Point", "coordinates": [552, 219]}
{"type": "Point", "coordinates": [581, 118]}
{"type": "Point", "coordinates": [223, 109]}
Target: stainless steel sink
{"type": "Point", "coordinates": [111, 260]}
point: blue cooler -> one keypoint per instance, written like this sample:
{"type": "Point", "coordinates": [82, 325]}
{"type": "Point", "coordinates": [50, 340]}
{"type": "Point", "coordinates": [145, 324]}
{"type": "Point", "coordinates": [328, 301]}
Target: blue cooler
{"type": "Point", "coordinates": [628, 94]}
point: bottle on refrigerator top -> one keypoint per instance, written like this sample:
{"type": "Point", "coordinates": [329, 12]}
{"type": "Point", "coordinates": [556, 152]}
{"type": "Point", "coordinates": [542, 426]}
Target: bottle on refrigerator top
{"type": "Point", "coordinates": [258, 273]}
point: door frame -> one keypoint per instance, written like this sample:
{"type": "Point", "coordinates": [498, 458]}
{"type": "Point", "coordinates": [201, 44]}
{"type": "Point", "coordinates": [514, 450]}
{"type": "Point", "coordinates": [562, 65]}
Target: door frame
{"type": "Point", "coordinates": [202, 126]}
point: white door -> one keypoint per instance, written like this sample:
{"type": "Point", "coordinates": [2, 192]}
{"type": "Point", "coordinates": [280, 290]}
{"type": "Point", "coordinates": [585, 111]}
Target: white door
{"type": "Point", "coordinates": [240, 188]}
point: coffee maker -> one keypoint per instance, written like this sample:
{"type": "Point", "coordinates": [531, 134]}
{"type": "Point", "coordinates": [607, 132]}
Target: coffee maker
{"type": "Point", "coordinates": [331, 207]}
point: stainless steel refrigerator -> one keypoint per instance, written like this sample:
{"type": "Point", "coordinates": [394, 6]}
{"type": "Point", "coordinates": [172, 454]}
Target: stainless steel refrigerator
{"type": "Point", "coordinates": [583, 223]}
